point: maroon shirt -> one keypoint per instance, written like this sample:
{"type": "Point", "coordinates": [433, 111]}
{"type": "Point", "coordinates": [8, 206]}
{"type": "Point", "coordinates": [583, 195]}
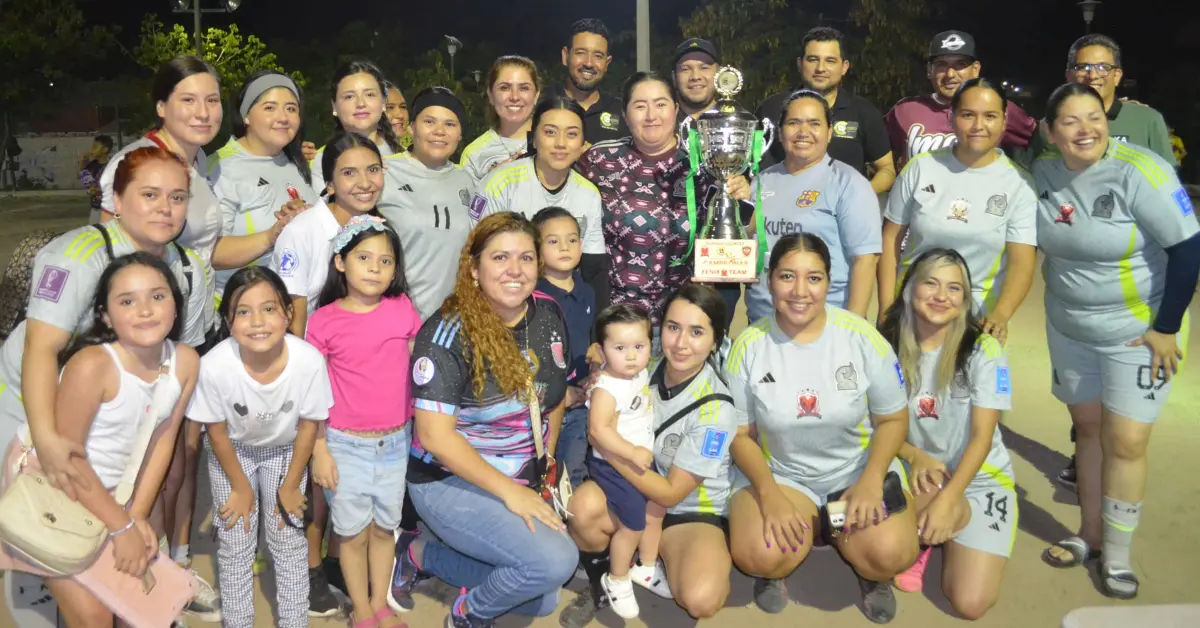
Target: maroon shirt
{"type": "Point", "coordinates": [922, 124]}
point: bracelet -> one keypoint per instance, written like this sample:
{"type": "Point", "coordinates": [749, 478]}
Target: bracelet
{"type": "Point", "coordinates": [115, 533]}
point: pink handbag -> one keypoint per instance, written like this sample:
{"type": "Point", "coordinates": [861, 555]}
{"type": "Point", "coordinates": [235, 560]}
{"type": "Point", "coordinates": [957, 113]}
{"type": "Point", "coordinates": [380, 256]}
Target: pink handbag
{"type": "Point", "coordinates": [153, 601]}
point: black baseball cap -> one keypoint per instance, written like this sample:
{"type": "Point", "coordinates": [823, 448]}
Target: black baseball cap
{"type": "Point", "coordinates": [952, 43]}
{"type": "Point", "coordinates": [695, 44]}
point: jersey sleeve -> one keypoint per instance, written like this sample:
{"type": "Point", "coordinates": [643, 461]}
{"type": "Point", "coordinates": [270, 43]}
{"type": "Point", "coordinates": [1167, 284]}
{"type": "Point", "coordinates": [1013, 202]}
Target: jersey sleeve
{"type": "Point", "coordinates": [491, 197]}
{"type": "Point", "coordinates": [440, 373]}
{"type": "Point", "coordinates": [991, 384]}
{"type": "Point", "coordinates": [897, 139]}
{"type": "Point", "coordinates": [737, 375]}
{"type": "Point", "coordinates": [205, 405]}
{"type": "Point", "coordinates": [64, 279]}
{"type": "Point", "coordinates": [1161, 205]}
{"type": "Point", "coordinates": [593, 236]}
{"type": "Point", "coordinates": [859, 223]}
{"type": "Point", "coordinates": [900, 200]}
{"type": "Point", "coordinates": [292, 261]}
{"type": "Point", "coordinates": [106, 184]}
{"type": "Point", "coordinates": [1022, 224]}
{"type": "Point", "coordinates": [1158, 139]}
{"type": "Point", "coordinates": [886, 391]}
{"type": "Point", "coordinates": [199, 315]}
{"type": "Point", "coordinates": [704, 450]}
{"type": "Point", "coordinates": [317, 397]}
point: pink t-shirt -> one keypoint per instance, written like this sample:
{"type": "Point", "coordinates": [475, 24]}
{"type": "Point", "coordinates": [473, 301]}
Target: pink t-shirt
{"type": "Point", "coordinates": [368, 361]}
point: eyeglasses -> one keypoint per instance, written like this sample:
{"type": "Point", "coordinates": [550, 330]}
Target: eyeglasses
{"type": "Point", "coordinates": [1101, 69]}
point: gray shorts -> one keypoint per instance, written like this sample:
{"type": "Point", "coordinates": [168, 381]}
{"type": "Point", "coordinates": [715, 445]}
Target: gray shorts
{"type": "Point", "coordinates": [993, 525]}
{"type": "Point", "coordinates": [1118, 376]}
{"type": "Point", "coordinates": [820, 490]}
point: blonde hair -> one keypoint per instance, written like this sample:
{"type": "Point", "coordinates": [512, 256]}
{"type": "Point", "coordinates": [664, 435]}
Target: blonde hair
{"type": "Point", "coordinates": [488, 340]}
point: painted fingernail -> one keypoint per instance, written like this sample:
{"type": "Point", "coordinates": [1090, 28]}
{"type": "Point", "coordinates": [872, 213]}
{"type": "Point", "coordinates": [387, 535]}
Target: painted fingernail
{"type": "Point", "coordinates": [796, 550]}
{"type": "Point", "coordinates": [768, 544]}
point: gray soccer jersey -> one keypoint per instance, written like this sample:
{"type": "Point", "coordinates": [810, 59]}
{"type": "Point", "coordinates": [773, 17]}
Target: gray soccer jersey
{"type": "Point", "coordinates": [829, 199]}
{"type": "Point", "coordinates": [488, 151]}
{"type": "Point", "coordinates": [1103, 231]}
{"type": "Point", "coordinates": [251, 189]}
{"type": "Point", "coordinates": [812, 403]}
{"type": "Point", "coordinates": [975, 211]}
{"type": "Point", "coordinates": [66, 273]}
{"type": "Point", "coordinates": [430, 210]}
{"type": "Point", "coordinates": [515, 187]}
{"type": "Point", "coordinates": [939, 423]}
{"type": "Point", "coordinates": [697, 443]}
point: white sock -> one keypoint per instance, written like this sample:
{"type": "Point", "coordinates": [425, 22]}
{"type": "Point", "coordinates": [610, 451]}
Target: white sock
{"type": "Point", "coordinates": [181, 554]}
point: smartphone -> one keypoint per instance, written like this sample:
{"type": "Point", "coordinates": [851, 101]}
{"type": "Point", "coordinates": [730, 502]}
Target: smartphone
{"type": "Point", "coordinates": [833, 515]}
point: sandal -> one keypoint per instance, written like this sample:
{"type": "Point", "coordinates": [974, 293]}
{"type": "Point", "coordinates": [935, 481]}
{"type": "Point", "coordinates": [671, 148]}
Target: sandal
{"type": "Point", "coordinates": [1080, 552]}
{"type": "Point", "coordinates": [1126, 581]}
{"type": "Point", "coordinates": [384, 614]}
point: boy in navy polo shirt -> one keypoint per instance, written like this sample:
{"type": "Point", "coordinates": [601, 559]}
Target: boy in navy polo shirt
{"type": "Point", "coordinates": [561, 250]}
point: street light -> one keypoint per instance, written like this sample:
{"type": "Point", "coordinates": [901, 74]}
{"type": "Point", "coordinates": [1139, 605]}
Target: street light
{"type": "Point", "coordinates": [452, 44]}
{"type": "Point", "coordinates": [184, 6]}
{"type": "Point", "coordinates": [643, 35]}
{"type": "Point", "coordinates": [1089, 12]}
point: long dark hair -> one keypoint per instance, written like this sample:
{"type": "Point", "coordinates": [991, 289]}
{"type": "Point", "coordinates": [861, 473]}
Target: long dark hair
{"type": "Point", "coordinates": [336, 288]}
{"type": "Point", "coordinates": [292, 151]}
{"type": "Point", "coordinates": [243, 280]}
{"type": "Point", "coordinates": [362, 66]}
{"type": "Point", "coordinates": [712, 304]}
{"type": "Point", "coordinates": [553, 103]}
{"type": "Point", "coordinates": [341, 142]}
{"type": "Point", "coordinates": [101, 332]}
{"type": "Point", "coordinates": [171, 73]}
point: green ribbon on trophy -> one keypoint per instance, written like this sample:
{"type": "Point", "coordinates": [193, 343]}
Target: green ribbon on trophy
{"type": "Point", "coordinates": [726, 141]}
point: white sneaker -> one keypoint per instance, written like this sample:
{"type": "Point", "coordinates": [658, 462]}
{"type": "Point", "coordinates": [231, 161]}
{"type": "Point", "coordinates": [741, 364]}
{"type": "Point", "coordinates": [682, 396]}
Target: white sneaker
{"type": "Point", "coordinates": [620, 595]}
{"type": "Point", "coordinates": [205, 604]}
{"type": "Point", "coordinates": [653, 578]}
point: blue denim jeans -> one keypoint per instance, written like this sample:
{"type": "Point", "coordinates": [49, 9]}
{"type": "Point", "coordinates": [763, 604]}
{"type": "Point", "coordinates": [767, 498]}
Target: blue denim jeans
{"type": "Point", "coordinates": [488, 550]}
{"type": "Point", "coordinates": [573, 445]}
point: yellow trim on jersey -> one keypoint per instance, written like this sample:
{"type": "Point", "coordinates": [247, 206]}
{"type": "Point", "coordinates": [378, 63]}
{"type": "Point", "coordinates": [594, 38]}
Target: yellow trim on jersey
{"type": "Point", "coordinates": [4, 387]}
{"type": "Point", "coordinates": [990, 298]}
{"type": "Point", "coordinates": [230, 149]}
{"type": "Point", "coordinates": [762, 444]}
{"type": "Point", "coordinates": [846, 320]}
{"type": "Point", "coordinates": [709, 413]}
{"type": "Point", "coordinates": [999, 476]}
{"type": "Point", "coordinates": [1144, 163]}
{"type": "Point", "coordinates": [737, 352]}
{"type": "Point", "coordinates": [506, 175]}
{"type": "Point", "coordinates": [312, 164]}
{"type": "Point", "coordinates": [583, 182]}
{"type": "Point", "coordinates": [705, 504]}
{"type": "Point", "coordinates": [1129, 291]}
{"type": "Point", "coordinates": [864, 437]}
{"type": "Point", "coordinates": [84, 245]}
{"type": "Point", "coordinates": [914, 159]}
{"type": "Point", "coordinates": [477, 144]}
{"type": "Point", "coordinates": [991, 347]}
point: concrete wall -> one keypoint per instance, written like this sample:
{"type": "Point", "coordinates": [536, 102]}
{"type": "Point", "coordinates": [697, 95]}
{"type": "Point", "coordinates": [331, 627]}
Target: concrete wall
{"type": "Point", "coordinates": [51, 160]}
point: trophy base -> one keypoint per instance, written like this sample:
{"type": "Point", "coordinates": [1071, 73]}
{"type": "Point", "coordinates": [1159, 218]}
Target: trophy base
{"type": "Point", "coordinates": [726, 260]}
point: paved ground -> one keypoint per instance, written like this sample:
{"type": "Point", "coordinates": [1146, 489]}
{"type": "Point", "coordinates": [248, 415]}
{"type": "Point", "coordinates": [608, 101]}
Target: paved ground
{"type": "Point", "coordinates": [823, 589]}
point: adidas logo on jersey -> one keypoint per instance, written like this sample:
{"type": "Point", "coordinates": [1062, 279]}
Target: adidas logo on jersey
{"type": "Point", "coordinates": [1149, 395]}
{"type": "Point", "coordinates": [1045, 196]}
{"type": "Point", "coordinates": [262, 182]}
{"type": "Point", "coordinates": [767, 379]}
{"type": "Point", "coordinates": [406, 188]}
{"type": "Point", "coordinates": [995, 526]}
{"type": "Point", "coordinates": [928, 188]}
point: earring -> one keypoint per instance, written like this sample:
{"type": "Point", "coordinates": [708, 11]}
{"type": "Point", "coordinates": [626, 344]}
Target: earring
{"type": "Point", "coordinates": [116, 214]}
{"type": "Point", "coordinates": [476, 282]}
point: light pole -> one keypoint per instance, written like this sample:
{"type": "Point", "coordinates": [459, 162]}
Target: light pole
{"type": "Point", "coordinates": [452, 44]}
{"type": "Point", "coordinates": [184, 6]}
{"type": "Point", "coordinates": [1089, 12]}
{"type": "Point", "coordinates": [643, 35]}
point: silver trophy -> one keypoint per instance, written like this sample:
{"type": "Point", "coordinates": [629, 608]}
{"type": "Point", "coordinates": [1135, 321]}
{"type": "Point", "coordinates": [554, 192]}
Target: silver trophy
{"type": "Point", "coordinates": [725, 138]}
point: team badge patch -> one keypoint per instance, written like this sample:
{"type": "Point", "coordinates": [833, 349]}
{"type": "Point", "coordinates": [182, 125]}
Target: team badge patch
{"type": "Point", "coordinates": [997, 204]}
{"type": "Point", "coordinates": [288, 262]}
{"type": "Point", "coordinates": [478, 204]}
{"type": "Point", "coordinates": [845, 129]}
{"type": "Point", "coordinates": [846, 377]}
{"type": "Point", "coordinates": [808, 404]}
{"type": "Point", "coordinates": [1003, 383]}
{"type": "Point", "coordinates": [900, 374]}
{"type": "Point", "coordinates": [1066, 214]}
{"type": "Point", "coordinates": [609, 121]}
{"type": "Point", "coordinates": [670, 445]}
{"type": "Point", "coordinates": [714, 443]}
{"type": "Point", "coordinates": [1103, 207]}
{"type": "Point", "coordinates": [927, 407]}
{"type": "Point", "coordinates": [1183, 201]}
{"type": "Point", "coordinates": [959, 210]}
{"type": "Point", "coordinates": [556, 350]}
{"type": "Point", "coordinates": [808, 198]}
{"type": "Point", "coordinates": [52, 283]}
{"type": "Point", "coordinates": [423, 371]}
{"type": "Point", "coordinates": [465, 197]}
{"type": "Point", "coordinates": [960, 388]}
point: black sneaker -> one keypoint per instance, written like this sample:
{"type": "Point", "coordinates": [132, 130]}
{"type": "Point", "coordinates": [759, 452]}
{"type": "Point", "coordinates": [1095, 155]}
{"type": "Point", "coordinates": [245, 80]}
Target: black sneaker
{"type": "Point", "coordinates": [878, 600]}
{"type": "Point", "coordinates": [333, 574]}
{"type": "Point", "coordinates": [1066, 477]}
{"type": "Point", "coordinates": [467, 620]}
{"type": "Point", "coordinates": [582, 610]}
{"type": "Point", "coordinates": [321, 600]}
{"type": "Point", "coordinates": [770, 595]}
{"type": "Point", "coordinates": [405, 575]}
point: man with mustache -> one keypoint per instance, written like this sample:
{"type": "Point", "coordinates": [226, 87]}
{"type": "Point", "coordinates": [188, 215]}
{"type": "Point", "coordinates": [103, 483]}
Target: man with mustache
{"type": "Point", "coordinates": [586, 59]}
{"type": "Point", "coordinates": [859, 137]}
{"type": "Point", "coordinates": [922, 124]}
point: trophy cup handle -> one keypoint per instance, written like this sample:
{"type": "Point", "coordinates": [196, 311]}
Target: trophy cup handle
{"type": "Point", "coordinates": [769, 132]}
{"type": "Point", "coordinates": [684, 128]}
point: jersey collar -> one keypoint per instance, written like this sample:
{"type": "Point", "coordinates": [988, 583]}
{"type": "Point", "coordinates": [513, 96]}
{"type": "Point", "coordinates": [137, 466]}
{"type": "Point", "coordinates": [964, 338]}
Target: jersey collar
{"type": "Point", "coordinates": [1114, 110]}
{"type": "Point", "coordinates": [659, 381]}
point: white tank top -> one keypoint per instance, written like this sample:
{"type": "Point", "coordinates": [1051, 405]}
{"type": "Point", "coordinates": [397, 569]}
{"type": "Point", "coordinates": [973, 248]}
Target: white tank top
{"type": "Point", "coordinates": [114, 431]}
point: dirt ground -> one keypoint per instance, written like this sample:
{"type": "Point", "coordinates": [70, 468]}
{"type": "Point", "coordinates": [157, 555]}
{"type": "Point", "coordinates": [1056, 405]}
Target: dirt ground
{"type": "Point", "coordinates": [823, 589]}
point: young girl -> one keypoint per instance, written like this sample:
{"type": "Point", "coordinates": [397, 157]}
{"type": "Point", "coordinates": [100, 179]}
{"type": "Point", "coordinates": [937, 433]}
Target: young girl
{"type": "Point", "coordinates": [124, 371]}
{"type": "Point", "coordinates": [359, 99]}
{"type": "Point", "coordinates": [262, 394]}
{"type": "Point", "coordinates": [365, 327]}
{"type": "Point", "coordinates": [620, 424]}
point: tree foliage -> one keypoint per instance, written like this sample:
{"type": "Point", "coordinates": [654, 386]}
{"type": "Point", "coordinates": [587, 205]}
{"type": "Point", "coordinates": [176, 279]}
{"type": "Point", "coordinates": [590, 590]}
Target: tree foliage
{"type": "Point", "coordinates": [892, 60]}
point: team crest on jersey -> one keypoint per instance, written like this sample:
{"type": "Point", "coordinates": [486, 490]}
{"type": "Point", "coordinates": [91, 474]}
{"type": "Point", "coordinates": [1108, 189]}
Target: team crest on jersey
{"type": "Point", "coordinates": [478, 204]}
{"type": "Point", "coordinates": [556, 350]}
{"type": "Point", "coordinates": [287, 263]}
{"type": "Point", "coordinates": [927, 407]}
{"type": "Point", "coordinates": [960, 388]}
{"type": "Point", "coordinates": [1066, 214]}
{"type": "Point", "coordinates": [997, 204]}
{"type": "Point", "coordinates": [51, 285]}
{"type": "Point", "coordinates": [808, 198]}
{"type": "Point", "coordinates": [808, 404]}
{"type": "Point", "coordinates": [845, 129]}
{"type": "Point", "coordinates": [609, 121]}
{"type": "Point", "coordinates": [465, 197]}
{"type": "Point", "coordinates": [959, 210]}
{"type": "Point", "coordinates": [423, 371]}
{"type": "Point", "coordinates": [846, 377]}
{"type": "Point", "coordinates": [1104, 205]}
{"type": "Point", "coordinates": [671, 445]}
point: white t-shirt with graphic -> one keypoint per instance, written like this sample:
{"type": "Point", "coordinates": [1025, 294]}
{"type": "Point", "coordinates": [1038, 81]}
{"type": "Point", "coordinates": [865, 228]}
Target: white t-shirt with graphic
{"type": "Point", "coordinates": [635, 414]}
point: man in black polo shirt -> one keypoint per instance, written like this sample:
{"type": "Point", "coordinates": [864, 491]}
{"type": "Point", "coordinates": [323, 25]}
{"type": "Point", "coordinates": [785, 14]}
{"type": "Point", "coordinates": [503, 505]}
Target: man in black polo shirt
{"type": "Point", "coordinates": [586, 60]}
{"type": "Point", "coordinates": [859, 137]}
{"type": "Point", "coordinates": [694, 68]}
